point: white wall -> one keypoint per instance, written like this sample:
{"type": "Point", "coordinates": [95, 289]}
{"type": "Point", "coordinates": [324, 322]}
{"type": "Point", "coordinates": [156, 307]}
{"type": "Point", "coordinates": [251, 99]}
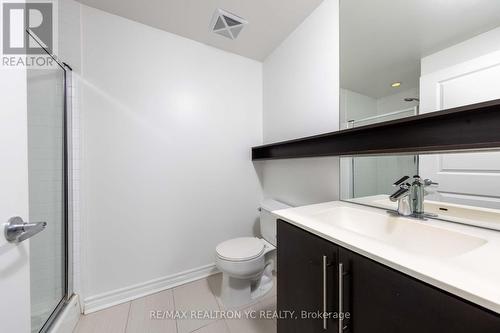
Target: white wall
{"type": "Point", "coordinates": [301, 97]}
{"type": "Point", "coordinates": [301, 79]}
{"type": "Point", "coordinates": [166, 172]}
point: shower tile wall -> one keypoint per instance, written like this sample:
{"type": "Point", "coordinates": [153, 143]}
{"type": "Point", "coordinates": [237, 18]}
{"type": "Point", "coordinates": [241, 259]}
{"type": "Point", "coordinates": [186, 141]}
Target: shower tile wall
{"type": "Point", "coordinates": [70, 52]}
{"type": "Point", "coordinates": [76, 182]}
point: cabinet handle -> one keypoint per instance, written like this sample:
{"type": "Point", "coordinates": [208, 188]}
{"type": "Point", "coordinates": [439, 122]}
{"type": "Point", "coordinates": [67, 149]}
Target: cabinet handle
{"type": "Point", "coordinates": [341, 282]}
{"type": "Point", "coordinates": [325, 323]}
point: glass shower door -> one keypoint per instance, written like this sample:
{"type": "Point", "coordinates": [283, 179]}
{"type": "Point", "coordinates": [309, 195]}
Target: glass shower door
{"type": "Point", "coordinates": [375, 175]}
{"type": "Point", "coordinates": [47, 193]}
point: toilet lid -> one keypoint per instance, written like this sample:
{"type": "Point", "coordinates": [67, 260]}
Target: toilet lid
{"type": "Point", "coordinates": [240, 249]}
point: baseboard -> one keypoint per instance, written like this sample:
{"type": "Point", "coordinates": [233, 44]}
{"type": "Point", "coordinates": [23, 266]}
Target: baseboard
{"type": "Point", "coordinates": [122, 295]}
{"type": "Point", "coordinates": [67, 320]}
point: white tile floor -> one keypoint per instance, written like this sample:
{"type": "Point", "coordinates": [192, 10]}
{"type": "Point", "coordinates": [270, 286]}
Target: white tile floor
{"type": "Point", "coordinates": [200, 295]}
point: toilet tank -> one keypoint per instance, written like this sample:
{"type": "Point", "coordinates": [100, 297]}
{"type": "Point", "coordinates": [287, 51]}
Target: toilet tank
{"type": "Point", "coordinates": [268, 220]}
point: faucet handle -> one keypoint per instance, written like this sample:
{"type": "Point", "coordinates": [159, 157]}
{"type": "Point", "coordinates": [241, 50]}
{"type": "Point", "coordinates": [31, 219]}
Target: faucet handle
{"type": "Point", "coordinates": [428, 182]}
{"type": "Point", "coordinates": [402, 192]}
{"type": "Point", "coordinates": [400, 181]}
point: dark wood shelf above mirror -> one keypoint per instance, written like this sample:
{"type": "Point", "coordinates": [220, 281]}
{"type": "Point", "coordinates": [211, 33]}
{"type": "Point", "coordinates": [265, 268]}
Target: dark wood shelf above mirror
{"type": "Point", "coordinates": [471, 127]}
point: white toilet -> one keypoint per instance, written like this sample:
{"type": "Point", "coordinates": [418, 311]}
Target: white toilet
{"type": "Point", "coordinates": [247, 263]}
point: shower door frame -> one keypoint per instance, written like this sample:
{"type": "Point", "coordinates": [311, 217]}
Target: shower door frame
{"type": "Point", "coordinates": [67, 189]}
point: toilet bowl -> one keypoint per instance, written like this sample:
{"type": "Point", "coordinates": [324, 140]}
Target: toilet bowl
{"type": "Point", "coordinates": [247, 263]}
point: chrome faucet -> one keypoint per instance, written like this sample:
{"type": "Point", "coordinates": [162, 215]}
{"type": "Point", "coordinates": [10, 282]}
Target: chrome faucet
{"type": "Point", "coordinates": [410, 196]}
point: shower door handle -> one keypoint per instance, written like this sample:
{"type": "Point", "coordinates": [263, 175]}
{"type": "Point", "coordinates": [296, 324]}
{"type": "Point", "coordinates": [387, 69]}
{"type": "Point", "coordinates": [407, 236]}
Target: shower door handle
{"type": "Point", "coordinates": [16, 230]}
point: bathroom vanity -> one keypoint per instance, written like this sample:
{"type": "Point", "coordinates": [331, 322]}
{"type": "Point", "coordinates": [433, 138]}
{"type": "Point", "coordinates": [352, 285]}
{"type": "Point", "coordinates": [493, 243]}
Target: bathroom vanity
{"type": "Point", "coordinates": [386, 274]}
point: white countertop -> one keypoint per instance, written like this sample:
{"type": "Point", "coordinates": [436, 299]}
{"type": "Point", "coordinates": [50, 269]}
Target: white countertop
{"type": "Point", "coordinates": [471, 274]}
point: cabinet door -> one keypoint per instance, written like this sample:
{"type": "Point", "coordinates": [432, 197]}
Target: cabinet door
{"type": "Point", "coordinates": [306, 279]}
{"type": "Point", "coordinates": [382, 300]}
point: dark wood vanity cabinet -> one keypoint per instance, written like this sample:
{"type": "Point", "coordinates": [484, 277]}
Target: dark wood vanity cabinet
{"type": "Point", "coordinates": [378, 299]}
{"type": "Point", "coordinates": [306, 266]}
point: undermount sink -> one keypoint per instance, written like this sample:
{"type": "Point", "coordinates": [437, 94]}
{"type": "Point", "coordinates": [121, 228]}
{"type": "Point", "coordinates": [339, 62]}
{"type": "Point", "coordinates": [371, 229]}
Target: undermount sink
{"type": "Point", "coordinates": [403, 233]}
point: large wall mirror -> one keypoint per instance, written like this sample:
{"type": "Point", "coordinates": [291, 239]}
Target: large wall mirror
{"type": "Point", "coordinates": [402, 58]}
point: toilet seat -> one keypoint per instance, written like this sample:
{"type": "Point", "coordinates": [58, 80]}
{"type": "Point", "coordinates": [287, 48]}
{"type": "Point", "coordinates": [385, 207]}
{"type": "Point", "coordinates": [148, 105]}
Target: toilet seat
{"type": "Point", "coordinates": [240, 249]}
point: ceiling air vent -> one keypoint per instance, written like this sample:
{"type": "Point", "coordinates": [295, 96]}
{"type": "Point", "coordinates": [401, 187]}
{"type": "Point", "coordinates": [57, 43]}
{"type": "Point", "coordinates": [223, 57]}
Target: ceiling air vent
{"type": "Point", "coordinates": [227, 24]}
